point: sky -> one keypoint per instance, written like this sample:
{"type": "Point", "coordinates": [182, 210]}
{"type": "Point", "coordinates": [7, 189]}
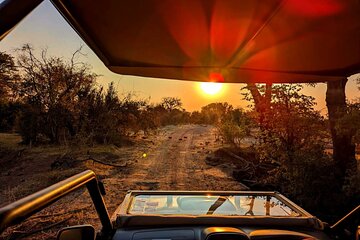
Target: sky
{"type": "Point", "coordinates": [45, 28]}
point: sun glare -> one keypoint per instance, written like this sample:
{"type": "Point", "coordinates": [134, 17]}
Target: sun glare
{"type": "Point", "coordinates": [211, 88]}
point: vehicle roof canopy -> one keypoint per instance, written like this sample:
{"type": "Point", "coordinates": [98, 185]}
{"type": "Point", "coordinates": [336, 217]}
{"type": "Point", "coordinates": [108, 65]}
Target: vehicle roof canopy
{"type": "Point", "coordinates": [240, 41]}
{"type": "Point", "coordinates": [222, 40]}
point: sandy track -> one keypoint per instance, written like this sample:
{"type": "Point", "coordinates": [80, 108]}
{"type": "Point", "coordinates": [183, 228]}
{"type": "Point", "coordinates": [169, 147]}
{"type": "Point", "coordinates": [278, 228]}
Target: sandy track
{"type": "Point", "coordinates": [170, 164]}
{"type": "Point", "coordinates": [177, 162]}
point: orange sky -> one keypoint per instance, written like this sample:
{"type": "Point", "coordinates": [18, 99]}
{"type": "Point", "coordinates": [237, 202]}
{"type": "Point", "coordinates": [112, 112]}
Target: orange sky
{"type": "Point", "coordinates": [45, 28]}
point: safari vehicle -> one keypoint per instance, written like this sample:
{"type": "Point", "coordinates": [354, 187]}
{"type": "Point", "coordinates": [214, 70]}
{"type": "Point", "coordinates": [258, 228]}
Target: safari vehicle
{"type": "Point", "coordinates": [203, 40]}
{"type": "Point", "coordinates": [182, 214]}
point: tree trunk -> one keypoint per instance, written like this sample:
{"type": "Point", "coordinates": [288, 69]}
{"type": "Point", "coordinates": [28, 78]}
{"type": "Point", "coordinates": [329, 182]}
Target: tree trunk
{"type": "Point", "coordinates": [261, 101]}
{"type": "Point", "coordinates": [343, 148]}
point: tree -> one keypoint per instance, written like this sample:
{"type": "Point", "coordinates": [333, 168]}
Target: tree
{"type": "Point", "coordinates": [8, 74]}
{"type": "Point", "coordinates": [171, 111]}
{"type": "Point", "coordinates": [196, 117]}
{"type": "Point", "coordinates": [289, 123]}
{"type": "Point", "coordinates": [99, 116]}
{"type": "Point", "coordinates": [8, 109]}
{"type": "Point", "coordinates": [171, 103]}
{"type": "Point", "coordinates": [9, 115]}
{"type": "Point", "coordinates": [343, 146]}
{"type": "Point", "coordinates": [261, 96]}
{"type": "Point", "coordinates": [351, 121]}
{"type": "Point", "coordinates": [235, 126]}
{"type": "Point", "coordinates": [52, 88]}
{"type": "Point", "coordinates": [292, 135]}
{"type": "Point", "coordinates": [214, 112]}
{"type": "Point", "coordinates": [131, 114]}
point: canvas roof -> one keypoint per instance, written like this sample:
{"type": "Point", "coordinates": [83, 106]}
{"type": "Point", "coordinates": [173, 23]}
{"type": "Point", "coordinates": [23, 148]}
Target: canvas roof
{"type": "Point", "coordinates": [222, 40]}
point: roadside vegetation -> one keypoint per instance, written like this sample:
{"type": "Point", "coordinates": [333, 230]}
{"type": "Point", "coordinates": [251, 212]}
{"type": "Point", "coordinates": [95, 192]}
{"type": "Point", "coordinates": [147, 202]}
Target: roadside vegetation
{"type": "Point", "coordinates": [293, 136]}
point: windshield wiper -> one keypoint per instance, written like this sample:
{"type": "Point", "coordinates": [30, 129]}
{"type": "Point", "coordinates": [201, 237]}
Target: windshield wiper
{"type": "Point", "coordinates": [216, 205]}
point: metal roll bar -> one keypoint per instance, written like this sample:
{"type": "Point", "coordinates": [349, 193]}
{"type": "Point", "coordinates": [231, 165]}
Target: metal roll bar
{"type": "Point", "coordinates": [354, 214]}
{"type": "Point", "coordinates": [18, 211]}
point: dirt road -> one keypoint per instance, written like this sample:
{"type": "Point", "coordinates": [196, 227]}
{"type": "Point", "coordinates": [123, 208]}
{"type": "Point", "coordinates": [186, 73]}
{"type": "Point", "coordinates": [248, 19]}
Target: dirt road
{"type": "Point", "coordinates": [177, 162]}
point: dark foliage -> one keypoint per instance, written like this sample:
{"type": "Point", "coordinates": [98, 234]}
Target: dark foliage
{"type": "Point", "coordinates": [8, 74]}
{"type": "Point", "coordinates": [293, 135]}
{"type": "Point", "coordinates": [59, 102]}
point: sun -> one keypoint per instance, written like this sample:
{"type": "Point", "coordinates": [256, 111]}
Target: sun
{"type": "Point", "coordinates": [211, 88]}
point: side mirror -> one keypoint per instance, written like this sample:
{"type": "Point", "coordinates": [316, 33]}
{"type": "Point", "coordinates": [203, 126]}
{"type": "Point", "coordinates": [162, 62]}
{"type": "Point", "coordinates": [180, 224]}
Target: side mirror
{"type": "Point", "coordinates": [358, 233]}
{"type": "Point", "coordinates": [80, 232]}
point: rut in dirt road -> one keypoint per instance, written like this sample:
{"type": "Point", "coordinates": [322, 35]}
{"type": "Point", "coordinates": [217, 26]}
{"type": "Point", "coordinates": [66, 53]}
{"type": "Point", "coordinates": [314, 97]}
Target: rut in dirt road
{"type": "Point", "coordinates": [171, 162]}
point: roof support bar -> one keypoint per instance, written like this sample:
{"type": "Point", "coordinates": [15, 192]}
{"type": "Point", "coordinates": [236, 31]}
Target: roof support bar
{"type": "Point", "coordinates": [18, 211]}
{"type": "Point", "coordinates": [354, 214]}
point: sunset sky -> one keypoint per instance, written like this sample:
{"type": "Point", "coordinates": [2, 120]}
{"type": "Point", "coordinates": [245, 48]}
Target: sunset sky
{"type": "Point", "coordinates": [45, 28]}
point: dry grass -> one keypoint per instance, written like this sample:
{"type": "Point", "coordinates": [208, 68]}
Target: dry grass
{"type": "Point", "coordinates": [26, 170]}
{"type": "Point", "coordinates": [9, 140]}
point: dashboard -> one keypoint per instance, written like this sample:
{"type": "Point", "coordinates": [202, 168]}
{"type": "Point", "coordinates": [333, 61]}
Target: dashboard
{"type": "Point", "coordinates": [217, 233]}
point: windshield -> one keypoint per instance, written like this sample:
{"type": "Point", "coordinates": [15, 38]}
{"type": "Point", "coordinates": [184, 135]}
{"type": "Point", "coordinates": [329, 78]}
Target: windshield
{"type": "Point", "coordinates": [210, 205]}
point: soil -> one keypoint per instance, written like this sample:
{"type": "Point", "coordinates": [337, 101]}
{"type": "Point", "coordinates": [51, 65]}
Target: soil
{"type": "Point", "coordinates": [172, 159]}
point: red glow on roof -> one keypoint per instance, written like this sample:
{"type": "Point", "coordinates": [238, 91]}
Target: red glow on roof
{"type": "Point", "coordinates": [228, 28]}
{"type": "Point", "coordinates": [318, 8]}
{"type": "Point", "coordinates": [216, 77]}
{"type": "Point", "coordinates": [191, 36]}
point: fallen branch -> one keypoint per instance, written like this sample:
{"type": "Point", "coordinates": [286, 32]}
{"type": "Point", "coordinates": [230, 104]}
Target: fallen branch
{"type": "Point", "coordinates": [105, 163]}
{"type": "Point", "coordinates": [235, 156]}
{"type": "Point", "coordinates": [245, 162]}
{"type": "Point", "coordinates": [59, 214]}
{"type": "Point", "coordinates": [27, 234]}
{"type": "Point", "coordinates": [62, 160]}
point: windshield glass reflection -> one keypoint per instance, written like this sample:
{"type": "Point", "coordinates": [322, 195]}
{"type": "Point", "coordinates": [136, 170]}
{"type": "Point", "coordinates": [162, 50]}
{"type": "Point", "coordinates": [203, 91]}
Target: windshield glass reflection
{"type": "Point", "coordinates": [210, 205]}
